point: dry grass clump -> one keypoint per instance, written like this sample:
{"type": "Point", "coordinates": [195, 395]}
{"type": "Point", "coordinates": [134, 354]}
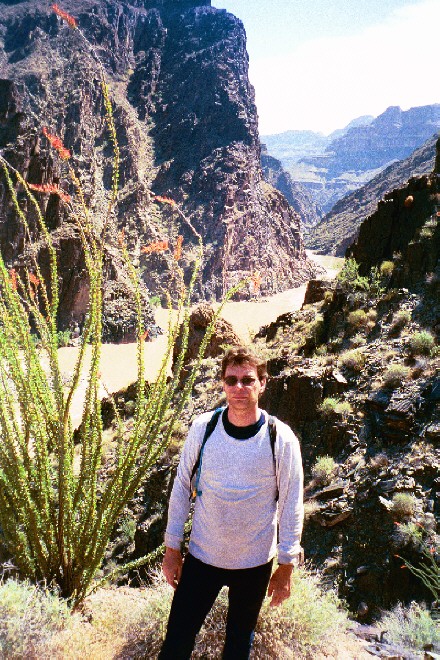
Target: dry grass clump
{"type": "Point", "coordinates": [404, 506]}
{"type": "Point", "coordinates": [401, 319]}
{"type": "Point", "coordinates": [303, 625]}
{"type": "Point", "coordinates": [129, 624]}
{"type": "Point", "coordinates": [395, 375]}
{"type": "Point", "coordinates": [357, 319]}
{"type": "Point", "coordinates": [411, 628]}
{"type": "Point", "coordinates": [30, 620]}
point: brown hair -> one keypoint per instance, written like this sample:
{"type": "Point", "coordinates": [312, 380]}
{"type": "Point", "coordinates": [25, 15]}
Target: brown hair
{"type": "Point", "coordinates": [243, 355]}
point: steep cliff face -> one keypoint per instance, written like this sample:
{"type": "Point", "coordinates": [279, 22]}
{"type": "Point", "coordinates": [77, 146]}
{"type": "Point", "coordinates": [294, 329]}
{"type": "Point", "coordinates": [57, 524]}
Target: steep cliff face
{"type": "Point", "coordinates": [297, 195]}
{"type": "Point", "coordinates": [339, 228]}
{"type": "Point", "coordinates": [406, 226]}
{"type": "Point", "coordinates": [187, 128]}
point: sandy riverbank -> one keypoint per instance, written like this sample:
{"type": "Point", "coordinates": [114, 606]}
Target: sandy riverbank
{"type": "Point", "coordinates": [118, 363]}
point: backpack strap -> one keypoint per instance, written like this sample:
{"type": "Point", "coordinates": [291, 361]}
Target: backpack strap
{"type": "Point", "coordinates": [212, 423]}
{"type": "Point", "coordinates": [273, 438]}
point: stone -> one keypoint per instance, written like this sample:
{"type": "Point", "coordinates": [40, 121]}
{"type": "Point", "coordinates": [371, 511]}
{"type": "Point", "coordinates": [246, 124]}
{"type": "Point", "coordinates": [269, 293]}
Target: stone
{"type": "Point", "coordinates": [329, 492]}
{"type": "Point", "coordinates": [201, 317]}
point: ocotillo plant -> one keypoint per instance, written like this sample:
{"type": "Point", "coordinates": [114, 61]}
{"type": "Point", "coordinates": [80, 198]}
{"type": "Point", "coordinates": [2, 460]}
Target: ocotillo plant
{"type": "Point", "coordinates": [58, 506]}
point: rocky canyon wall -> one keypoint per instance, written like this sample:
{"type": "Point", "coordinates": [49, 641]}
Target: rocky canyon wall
{"type": "Point", "coordinates": [187, 128]}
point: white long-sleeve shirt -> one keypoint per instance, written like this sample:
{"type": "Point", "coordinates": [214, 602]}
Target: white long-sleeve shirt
{"type": "Point", "coordinates": [236, 516]}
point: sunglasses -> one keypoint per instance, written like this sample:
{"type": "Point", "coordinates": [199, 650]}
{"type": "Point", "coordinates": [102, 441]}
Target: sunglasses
{"type": "Point", "coordinates": [246, 381]}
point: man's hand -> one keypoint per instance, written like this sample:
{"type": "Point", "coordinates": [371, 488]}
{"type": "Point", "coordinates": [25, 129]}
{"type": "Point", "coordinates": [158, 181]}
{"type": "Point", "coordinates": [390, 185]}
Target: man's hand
{"type": "Point", "coordinates": [279, 585]}
{"type": "Point", "coordinates": [172, 566]}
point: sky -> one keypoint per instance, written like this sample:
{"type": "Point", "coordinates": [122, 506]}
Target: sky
{"type": "Point", "coordinates": [318, 64]}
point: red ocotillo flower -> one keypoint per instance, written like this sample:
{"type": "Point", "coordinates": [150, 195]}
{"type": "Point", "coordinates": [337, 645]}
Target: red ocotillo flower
{"type": "Point", "coordinates": [156, 246]}
{"type": "Point", "coordinates": [50, 189]}
{"type": "Point", "coordinates": [65, 16]}
{"type": "Point", "coordinates": [13, 278]}
{"type": "Point", "coordinates": [256, 281]}
{"type": "Point", "coordinates": [164, 200]}
{"type": "Point", "coordinates": [178, 249]}
{"type": "Point", "coordinates": [57, 144]}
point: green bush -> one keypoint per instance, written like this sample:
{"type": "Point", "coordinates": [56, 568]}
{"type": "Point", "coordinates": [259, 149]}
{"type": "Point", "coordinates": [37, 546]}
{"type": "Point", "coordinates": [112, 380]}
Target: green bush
{"type": "Point", "coordinates": [155, 301]}
{"type": "Point", "coordinates": [408, 535]}
{"type": "Point", "coordinates": [349, 278]}
{"type": "Point", "coordinates": [331, 406]}
{"type": "Point", "coordinates": [64, 337]}
{"type": "Point", "coordinates": [386, 268]}
{"type": "Point", "coordinates": [324, 469]}
{"type": "Point", "coordinates": [411, 628]}
{"type": "Point", "coordinates": [353, 360]}
{"type": "Point", "coordinates": [395, 375]}
{"type": "Point", "coordinates": [328, 406]}
{"type": "Point", "coordinates": [358, 340]}
{"type": "Point", "coordinates": [421, 343]}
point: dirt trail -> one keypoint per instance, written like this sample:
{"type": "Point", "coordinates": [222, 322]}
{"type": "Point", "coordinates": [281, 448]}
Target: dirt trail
{"type": "Point", "coordinates": [119, 363]}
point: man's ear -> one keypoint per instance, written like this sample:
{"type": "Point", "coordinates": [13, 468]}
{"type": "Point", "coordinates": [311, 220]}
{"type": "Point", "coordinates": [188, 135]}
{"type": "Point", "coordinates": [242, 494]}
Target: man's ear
{"type": "Point", "coordinates": [263, 382]}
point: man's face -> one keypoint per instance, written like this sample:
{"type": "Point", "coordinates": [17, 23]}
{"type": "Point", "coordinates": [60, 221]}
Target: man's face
{"type": "Point", "coordinates": [242, 386]}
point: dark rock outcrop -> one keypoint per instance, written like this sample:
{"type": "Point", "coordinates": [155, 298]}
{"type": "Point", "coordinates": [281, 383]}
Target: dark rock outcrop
{"type": "Point", "coordinates": [339, 228]}
{"type": "Point", "coordinates": [186, 125]}
{"type": "Point", "coordinates": [407, 224]}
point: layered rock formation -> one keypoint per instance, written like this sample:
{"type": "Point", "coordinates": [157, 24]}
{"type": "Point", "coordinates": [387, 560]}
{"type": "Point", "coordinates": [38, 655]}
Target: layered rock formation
{"type": "Point", "coordinates": [297, 195]}
{"type": "Point", "coordinates": [339, 228]}
{"type": "Point", "coordinates": [186, 125]}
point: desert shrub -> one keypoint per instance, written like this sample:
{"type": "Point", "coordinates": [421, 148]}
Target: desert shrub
{"type": "Point", "coordinates": [29, 618]}
{"type": "Point", "coordinates": [401, 319]}
{"type": "Point", "coordinates": [357, 319]}
{"type": "Point", "coordinates": [324, 470]}
{"type": "Point", "coordinates": [386, 268]}
{"type": "Point", "coordinates": [332, 406]}
{"type": "Point", "coordinates": [411, 628]}
{"type": "Point", "coordinates": [358, 340]}
{"type": "Point", "coordinates": [421, 343]}
{"type": "Point", "coordinates": [404, 506]}
{"type": "Point", "coordinates": [328, 406]}
{"type": "Point", "coordinates": [408, 535]}
{"type": "Point", "coordinates": [155, 301]}
{"type": "Point", "coordinates": [349, 278]}
{"type": "Point", "coordinates": [426, 232]}
{"type": "Point", "coordinates": [395, 375]}
{"type": "Point", "coordinates": [353, 360]}
{"type": "Point", "coordinates": [303, 624]}
{"type": "Point", "coordinates": [64, 337]}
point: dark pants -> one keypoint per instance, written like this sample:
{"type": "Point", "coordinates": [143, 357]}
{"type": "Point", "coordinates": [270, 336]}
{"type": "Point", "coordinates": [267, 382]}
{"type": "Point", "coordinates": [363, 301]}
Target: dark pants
{"type": "Point", "coordinates": [195, 594]}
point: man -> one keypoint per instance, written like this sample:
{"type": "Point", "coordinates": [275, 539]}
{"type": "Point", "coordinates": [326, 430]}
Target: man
{"type": "Point", "coordinates": [243, 490]}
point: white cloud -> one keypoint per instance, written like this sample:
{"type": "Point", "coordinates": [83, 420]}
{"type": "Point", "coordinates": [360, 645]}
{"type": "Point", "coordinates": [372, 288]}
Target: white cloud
{"type": "Point", "coordinates": [325, 83]}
